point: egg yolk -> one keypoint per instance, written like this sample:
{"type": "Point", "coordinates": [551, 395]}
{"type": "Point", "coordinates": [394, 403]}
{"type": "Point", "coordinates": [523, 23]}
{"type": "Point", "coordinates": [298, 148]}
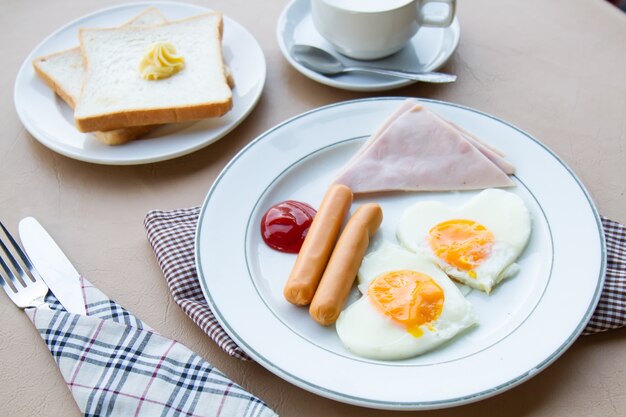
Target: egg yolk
{"type": "Point", "coordinates": [461, 243]}
{"type": "Point", "coordinates": [409, 298]}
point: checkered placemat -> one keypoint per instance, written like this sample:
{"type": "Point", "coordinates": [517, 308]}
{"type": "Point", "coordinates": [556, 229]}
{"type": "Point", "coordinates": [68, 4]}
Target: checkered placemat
{"type": "Point", "coordinates": [115, 365]}
{"type": "Point", "coordinates": [172, 235]}
{"type": "Point", "coordinates": [611, 310]}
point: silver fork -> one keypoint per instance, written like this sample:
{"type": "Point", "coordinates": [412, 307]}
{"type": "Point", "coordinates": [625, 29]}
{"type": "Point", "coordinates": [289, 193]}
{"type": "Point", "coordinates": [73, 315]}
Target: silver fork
{"type": "Point", "coordinates": [30, 290]}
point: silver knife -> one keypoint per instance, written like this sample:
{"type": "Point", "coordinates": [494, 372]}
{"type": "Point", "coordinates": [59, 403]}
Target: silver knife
{"type": "Point", "coordinates": [53, 266]}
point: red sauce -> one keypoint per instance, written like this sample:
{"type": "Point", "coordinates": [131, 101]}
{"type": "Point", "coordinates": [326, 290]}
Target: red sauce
{"type": "Point", "coordinates": [285, 225]}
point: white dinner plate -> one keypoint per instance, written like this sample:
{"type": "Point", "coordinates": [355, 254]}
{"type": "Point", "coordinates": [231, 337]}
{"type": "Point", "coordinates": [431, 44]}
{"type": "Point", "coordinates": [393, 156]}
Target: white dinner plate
{"type": "Point", "coordinates": [51, 121]}
{"type": "Point", "coordinates": [524, 325]}
{"type": "Point", "coordinates": [427, 51]}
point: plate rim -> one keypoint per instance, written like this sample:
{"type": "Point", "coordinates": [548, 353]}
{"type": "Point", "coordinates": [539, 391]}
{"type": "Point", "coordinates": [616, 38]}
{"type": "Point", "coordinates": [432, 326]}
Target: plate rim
{"type": "Point", "coordinates": [394, 405]}
{"type": "Point", "coordinates": [381, 86]}
{"type": "Point", "coordinates": [70, 153]}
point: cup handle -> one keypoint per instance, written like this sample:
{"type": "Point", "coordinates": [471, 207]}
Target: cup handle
{"type": "Point", "coordinates": [434, 19]}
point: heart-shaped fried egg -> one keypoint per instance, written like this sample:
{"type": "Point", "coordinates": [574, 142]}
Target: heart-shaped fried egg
{"type": "Point", "coordinates": [477, 243]}
{"type": "Point", "coordinates": [409, 306]}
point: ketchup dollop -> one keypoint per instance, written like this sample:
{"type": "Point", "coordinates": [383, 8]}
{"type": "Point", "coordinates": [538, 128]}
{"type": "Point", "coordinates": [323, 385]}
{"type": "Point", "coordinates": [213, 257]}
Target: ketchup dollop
{"type": "Point", "coordinates": [285, 225]}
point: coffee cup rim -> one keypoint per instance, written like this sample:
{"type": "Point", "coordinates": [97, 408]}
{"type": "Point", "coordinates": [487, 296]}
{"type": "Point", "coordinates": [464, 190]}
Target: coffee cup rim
{"type": "Point", "coordinates": [399, 6]}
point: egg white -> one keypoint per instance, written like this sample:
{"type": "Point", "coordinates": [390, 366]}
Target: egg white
{"type": "Point", "coordinates": [367, 332]}
{"type": "Point", "coordinates": [501, 212]}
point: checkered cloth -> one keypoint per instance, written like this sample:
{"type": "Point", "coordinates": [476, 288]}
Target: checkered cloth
{"type": "Point", "coordinates": [611, 310]}
{"type": "Point", "coordinates": [115, 365]}
{"type": "Point", "coordinates": [172, 235]}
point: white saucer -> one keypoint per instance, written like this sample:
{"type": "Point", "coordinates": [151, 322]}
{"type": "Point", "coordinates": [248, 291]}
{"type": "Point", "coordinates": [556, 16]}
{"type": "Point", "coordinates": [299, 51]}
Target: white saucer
{"type": "Point", "coordinates": [428, 50]}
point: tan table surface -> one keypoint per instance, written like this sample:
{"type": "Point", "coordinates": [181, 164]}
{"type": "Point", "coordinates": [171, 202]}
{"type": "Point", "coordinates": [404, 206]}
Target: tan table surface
{"type": "Point", "coordinates": [553, 68]}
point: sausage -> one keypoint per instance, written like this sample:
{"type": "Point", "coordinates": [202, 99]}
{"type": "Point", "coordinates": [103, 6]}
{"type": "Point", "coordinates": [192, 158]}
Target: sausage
{"type": "Point", "coordinates": [318, 245]}
{"type": "Point", "coordinates": [344, 263]}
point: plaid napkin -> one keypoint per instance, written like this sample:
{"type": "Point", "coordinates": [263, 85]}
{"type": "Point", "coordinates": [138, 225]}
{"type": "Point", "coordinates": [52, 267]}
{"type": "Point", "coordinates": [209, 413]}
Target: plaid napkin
{"type": "Point", "coordinates": [172, 235]}
{"type": "Point", "coordinates": [115, 365]}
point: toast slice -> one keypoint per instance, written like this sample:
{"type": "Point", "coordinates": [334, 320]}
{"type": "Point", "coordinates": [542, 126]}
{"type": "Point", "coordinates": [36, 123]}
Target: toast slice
{"type": "Point", "coordinates": [64, 72]}
{"type": "Point", "coordinates": [114, 95]}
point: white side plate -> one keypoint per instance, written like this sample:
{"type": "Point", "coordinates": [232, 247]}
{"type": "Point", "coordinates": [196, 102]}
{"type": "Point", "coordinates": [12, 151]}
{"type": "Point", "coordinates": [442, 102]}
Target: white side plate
{"type": "Point", "coordinates": [525, 324]}
{"type": "Point", "coordinates": [51, 121]}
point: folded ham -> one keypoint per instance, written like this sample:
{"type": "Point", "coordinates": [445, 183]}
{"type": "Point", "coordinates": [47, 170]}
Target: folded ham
{"type": "Point", "coordinates": [417, 150]}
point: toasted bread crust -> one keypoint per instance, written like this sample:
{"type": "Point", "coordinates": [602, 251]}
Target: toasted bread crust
{"type": "Point", "coordinates": [121, 136]}
{"type": "Point", "coordinates": [142, 117]}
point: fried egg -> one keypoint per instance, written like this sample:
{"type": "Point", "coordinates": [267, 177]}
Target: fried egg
{"type": "Point", "coordinates": [408, 307]}
{"type": "Point", "coordinates": [477, 243]}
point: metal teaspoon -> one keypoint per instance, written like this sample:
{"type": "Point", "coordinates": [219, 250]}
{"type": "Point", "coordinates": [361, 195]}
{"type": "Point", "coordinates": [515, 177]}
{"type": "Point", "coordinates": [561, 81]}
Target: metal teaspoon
{"type": "Point", "coordinates": [319, 60]}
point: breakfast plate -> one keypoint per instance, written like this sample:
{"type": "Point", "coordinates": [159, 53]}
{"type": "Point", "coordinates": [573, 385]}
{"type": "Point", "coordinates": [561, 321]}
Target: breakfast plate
{"type": "Point", "coordinates": [524, 324]}
{"type": "Point", "coordinates": [427, 51]}
{"type": "Point", "coordinates": [50, 120]}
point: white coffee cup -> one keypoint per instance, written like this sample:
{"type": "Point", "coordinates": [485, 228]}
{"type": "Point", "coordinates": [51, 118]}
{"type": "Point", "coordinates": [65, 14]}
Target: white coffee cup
{"type": "Point", "coordinates": [372, 29]}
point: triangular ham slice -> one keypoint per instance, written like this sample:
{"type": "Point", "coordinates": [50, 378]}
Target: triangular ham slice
{"type": "Point", "coordinates": [494, 155]}
{"type": "Point", "coordinates": [406, 106]}
{"type": "Point", "coordinates": [416, 150]}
